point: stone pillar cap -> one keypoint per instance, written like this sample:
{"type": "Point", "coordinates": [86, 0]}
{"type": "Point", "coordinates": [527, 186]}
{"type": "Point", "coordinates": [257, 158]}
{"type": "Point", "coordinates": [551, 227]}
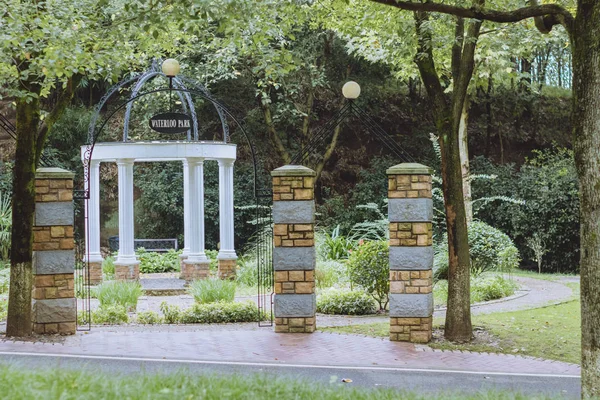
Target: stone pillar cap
{"type": "Point", "coordinates": [53, 173]}
{"type": "Point", "coordinates": [409, 169]}
{"type": "Point", "coordinates": [293, 170]}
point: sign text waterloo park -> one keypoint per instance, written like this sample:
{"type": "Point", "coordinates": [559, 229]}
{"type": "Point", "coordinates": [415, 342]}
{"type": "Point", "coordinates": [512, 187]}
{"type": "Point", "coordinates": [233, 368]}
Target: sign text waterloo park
{"type": "Point", "coordinates": [171, 122]}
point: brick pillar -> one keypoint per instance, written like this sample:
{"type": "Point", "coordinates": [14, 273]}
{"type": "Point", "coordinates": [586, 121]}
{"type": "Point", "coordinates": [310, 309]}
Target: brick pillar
{"type": "Point", "coordinates": [53, 253]}
{"type": "Point", "coordinates": [227, 269]}
{"type": "Point", "coordinates": [294, 249]}
{"type": "Point", "coordinates": [410, 211]}
{"type": "Point", "coordinates": [95, 271]}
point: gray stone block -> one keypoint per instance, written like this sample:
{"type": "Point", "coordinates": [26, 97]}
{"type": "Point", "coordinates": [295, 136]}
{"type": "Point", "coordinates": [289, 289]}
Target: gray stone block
{"type": "Point", "coordinates": [54, 262]}
{"type": "Point", "coordinates": [410, 210]}
{"type": "Point", "coordinates": [294, 212]}
{"type": "Point", "coordinates": [54, 213]}
{"type": "Point", "coordinates": [294, 258]}
{"type": "Point", "coordinates": [295, 305]}
{"type": "Point", "coordinates": [411, 305]}
{"type": "Point", "coordinates": [417, 258]}
{"type": "Point", "coordinates": [293, 170]}
{"type": "Point", "coordinates": [54, 311]}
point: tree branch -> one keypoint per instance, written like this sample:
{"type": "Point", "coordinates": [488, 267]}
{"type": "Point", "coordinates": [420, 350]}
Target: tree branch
{"type": "Point", "coordinates": [555, 13]}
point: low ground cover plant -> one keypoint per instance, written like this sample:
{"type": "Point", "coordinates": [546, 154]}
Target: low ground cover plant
{"type": "Point", "coordinates": [346, 303]}
{"type": "Point", "coordinates": [148, 318]}
{"type": "Point", "coordinates": [212, 290]}
{"type": "Point", "coordinates": [124, 293]}
{"type": "Point", "coordinates": [331, 273]}
{"type": "Point", "coordinates": [152, 262]}
{"type": "Point", "coordinates": [110, 314]}
{"type": "Point", "coordinates": [485, 287]}
{"type": "Point", "coordinates": [108, 267]}
{"type": "Point", "coordinates": [212, 313]}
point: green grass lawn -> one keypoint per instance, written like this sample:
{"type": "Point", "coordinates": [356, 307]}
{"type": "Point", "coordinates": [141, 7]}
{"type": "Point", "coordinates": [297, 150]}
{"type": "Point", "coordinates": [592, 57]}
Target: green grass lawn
{"type": "Point", "coordinates": [544, 276]}
{"type": "Point", "coordinates": [18, 383]}
{"type": "Point", "coordinates": [552, 332]}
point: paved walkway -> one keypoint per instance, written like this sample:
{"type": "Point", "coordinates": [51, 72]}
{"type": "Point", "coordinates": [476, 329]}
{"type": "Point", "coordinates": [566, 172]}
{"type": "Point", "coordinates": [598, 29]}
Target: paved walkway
{"type": "Point", "coordinates": [262, 345]}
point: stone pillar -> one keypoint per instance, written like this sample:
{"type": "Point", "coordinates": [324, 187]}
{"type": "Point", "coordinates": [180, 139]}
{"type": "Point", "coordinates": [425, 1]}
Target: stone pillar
{"type": "Point", "coordinates": [54, 309]}
{"type": "Point", "coordinates": [227, 256]}
{"type": "Point", "coordinates": [294, 255]}
{"type": "Point", "coordinates": [410, 211]}
{"type": "Point", "coordinates": [127, 266]}
{"type": "Point", "coordinates": [93, 256]}
{"type": "Point", "coordinates": [186, 213]}
{"type": "Point", "coordinates": [197, 265]}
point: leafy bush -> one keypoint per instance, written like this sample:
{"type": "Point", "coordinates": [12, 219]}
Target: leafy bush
{"type": "Point", "coordinates": [333, 246]}
{"type": "Point", "coordinates": [5, 225]}
{"type": "Point", "coordinates": [4, 280]}
{"type": "Point", "coordinates": [152, 262]}
{"type": "Point", "coordinates": [483, 288]}
{"type": "Point", "coordinates": [108, 267]}
{"type": "Point", "coordinates": [3, 308]}
{"type": "Point", "coordinates": [329, 273]}
{"type": "Point", "coordinates": [123, 293]}
{"type": "Point", "coordinates": [221, 312]}
{"type": "Point", "coordinates": [172, 313]}
{"type": "Point", "coordinates": [214, 263]}
{"type": "Point", "coordinates": [247, 272]}
{"type": "Point", "coordinates": [548, 184]}
{"type": "Point", "coordinates": [368, 267]}
{"type": "Point", "coordinates": [212, 290]}
{"type": "Point", "coordinates": [345, 303]}
{"type": "Point", "coordinates": [148, 318]}
{"type": "Point", "coordinates": [110, 314]}
{"type": "Point", "coordinates": [489, 248]}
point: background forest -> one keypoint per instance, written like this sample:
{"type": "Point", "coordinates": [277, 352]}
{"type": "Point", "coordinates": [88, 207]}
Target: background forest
{"type": "Point", "coordinates": [288, 84]}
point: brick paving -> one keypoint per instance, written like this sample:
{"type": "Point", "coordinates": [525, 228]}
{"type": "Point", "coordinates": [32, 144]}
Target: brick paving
{"type": "Point", "coordinates": [262, 345]}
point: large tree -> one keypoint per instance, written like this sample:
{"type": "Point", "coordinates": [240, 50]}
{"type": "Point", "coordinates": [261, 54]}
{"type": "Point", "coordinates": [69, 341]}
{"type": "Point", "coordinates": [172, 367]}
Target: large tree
{"type": "Point", "coordinates": [584, 33]}
{"type": "Point", "coordinates": [46, 47]}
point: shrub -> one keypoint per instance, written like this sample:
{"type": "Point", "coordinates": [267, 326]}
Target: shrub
{"type": "Point", "coordinates": [4, 280]}
{"type": "Point", "coordinates": [148, 318]}
{"type": "Point", "coordinates": [122, 293]}
{"type": "Point", "coordinates": [5, 225]}
{"type": "Point", "coordinates": [212, 290]}
{"type": "Point", "coordinates": [221, 312]}
{"type": "Point", "coordinates": [548, 184]}
{"type": "Point", "coordinates": [329, 273]}
{"type": "Point", "coordinates": [489, 248]}
{"type": "Point", "coordinates": [246, 274]}
{"type": "Point", "coordinates": [346, 303]}
{"type": "Point", "coordinates": [3, 308]}
{"type": "Point", "coordinates": [108, 267]}
{"type": "Point", "coordinates": [172, 313]}
{"type": "Point", "coordinates": [333, 246]}
{"type": "Point", "coordinates": [152, 262]}
{"type": "Point", "coordinates": [111, 314]}
{"type": "Point", "coordinates": [214, 263]}
{"type": "Point", "coordinates": [483, 288]}
{"type": "Point", "coordinates": [368, 267]}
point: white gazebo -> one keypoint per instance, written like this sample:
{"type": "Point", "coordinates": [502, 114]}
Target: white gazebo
{"type": "Point", "coordinates": [192, 153]}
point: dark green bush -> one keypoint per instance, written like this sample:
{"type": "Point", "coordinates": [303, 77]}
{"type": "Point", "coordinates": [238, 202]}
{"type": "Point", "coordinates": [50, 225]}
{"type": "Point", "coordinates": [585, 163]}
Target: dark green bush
{"type": "Point", "coordinates": [345, 303]}
{"type": "Point", "coordinates": [548, 184]}
{"type": "Point", "coordinates": [221, 312]}
{"type": "Point", "coordinates": [152, 262]}
{"type": "Point", "coordinates": [489, 248]}
{"type": "Point", "coordinates": [368, 267]}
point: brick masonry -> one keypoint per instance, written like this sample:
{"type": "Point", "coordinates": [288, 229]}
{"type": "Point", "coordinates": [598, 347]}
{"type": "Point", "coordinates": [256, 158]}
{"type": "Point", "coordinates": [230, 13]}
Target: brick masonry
{"type": "Point", "coordinates": [410, 213]}
{"type": "Point", "coordinates": [124, 272]}
{"type": "Point", "coordinates": [227, 269]}
{"type": "Point", "coordinates": [94, 270]}
{"type": "Point", "coordinates": [192, 272]}
{"type": "Point", "coordinates": [294, 251]}
{"type": "Point", "coordinates": [54, 310]}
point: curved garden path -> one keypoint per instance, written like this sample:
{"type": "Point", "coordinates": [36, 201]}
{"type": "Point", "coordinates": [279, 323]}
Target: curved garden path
{"type": "Point", "coordinates": [534, 293]}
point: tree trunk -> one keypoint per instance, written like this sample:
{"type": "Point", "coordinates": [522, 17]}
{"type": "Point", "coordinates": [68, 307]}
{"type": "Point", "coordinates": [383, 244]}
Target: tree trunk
{"type": "Point", "coordinates": [18, 322]}
{"type": "Point", "coordinates": [463, 145]}
{"type": "Point", "coordinates": [488, 109]}
{"type": "Point", "coordinates": [586, 125]}
{"type": "Point", "coordinates": [458, 316]}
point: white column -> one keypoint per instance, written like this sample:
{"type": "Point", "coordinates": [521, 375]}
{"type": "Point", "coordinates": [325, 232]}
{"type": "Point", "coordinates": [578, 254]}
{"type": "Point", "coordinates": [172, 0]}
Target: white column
{"type": "Point", "coordinates": [186, 208]}
{"type": "Point", "coordinates": [92, 206]}
{"type": "Point", "coordinates": [227, 248]}
{"type": "Point", "coordinates": [126, 218]}
{"type": "Point", "coordinates": [196, 229]}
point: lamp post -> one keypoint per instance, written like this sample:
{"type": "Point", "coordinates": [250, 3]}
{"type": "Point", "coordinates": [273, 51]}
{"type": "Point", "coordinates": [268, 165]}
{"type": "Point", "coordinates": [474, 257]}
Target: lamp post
{"type": "Point", "coordinates": [170, 68]}
{"type": "Point", "coordinates": [351, 90]}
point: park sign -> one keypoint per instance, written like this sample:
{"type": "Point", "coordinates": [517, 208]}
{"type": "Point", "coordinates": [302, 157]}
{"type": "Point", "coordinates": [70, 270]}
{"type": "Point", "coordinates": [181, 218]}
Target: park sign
{"type": "Point", "coordinates": [171, 122]}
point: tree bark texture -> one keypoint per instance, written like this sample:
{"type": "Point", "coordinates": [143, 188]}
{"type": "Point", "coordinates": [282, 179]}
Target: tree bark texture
{"type": "Point", "coordinates": [458, 317]}
{"type": "Point", "coordinates": [18, 321]}
{"type": "Point", "coordinates": [463, 140]}
{"type": "Point", "coordinates": [586, 131]}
